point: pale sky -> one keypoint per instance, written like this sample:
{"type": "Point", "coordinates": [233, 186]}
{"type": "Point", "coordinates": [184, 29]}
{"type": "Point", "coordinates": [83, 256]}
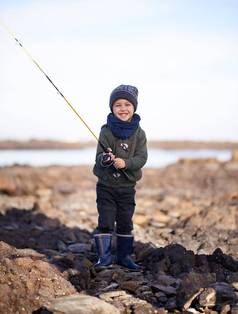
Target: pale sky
{"type": "Point", "coordinates": [181, 54]}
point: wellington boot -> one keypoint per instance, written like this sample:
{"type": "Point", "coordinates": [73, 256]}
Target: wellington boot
{"type": "Point", "coordinates": [124, 251]}
{"type": "Point", "coordinates": [103, 245]}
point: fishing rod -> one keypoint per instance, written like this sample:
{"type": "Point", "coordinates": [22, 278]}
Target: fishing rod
{"type": "Point", "coordinates": [105, 149]}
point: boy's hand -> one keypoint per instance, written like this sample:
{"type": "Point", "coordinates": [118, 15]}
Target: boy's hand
{"type": "Point", "coordinates": [107, 158]}
{"type": "Point", "coordinates": [119, 163]}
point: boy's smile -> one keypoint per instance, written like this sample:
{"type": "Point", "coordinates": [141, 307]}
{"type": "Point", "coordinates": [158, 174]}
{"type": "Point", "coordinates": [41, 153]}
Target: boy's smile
{"type": "Point", "coordinates": [123, 109]}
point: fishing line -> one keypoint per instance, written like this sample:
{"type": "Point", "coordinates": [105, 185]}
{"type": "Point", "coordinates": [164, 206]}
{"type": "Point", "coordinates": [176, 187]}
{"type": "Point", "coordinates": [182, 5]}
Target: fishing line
{"type": "Point", "coordinates": [10, 32]}
{"type": "Point", "coordinates": [41, 69]}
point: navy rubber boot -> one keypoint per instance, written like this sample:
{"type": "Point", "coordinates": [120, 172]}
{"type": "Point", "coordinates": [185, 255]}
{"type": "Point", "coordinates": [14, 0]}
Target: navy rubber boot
{"type": "Point", "coordinates": [124, 251]}
{"type": "Point", "coordinates": [103, 245]}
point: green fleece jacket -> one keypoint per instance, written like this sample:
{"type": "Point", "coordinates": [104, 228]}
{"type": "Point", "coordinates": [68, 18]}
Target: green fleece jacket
{"type": "Point", "coordinates": [135, 157]}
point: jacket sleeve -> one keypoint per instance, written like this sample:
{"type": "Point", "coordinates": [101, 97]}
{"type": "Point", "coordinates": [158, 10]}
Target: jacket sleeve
{"type": "Point", "coordinates": [138, 160]}
{"type": "Point", "coordinates": [104, 140]}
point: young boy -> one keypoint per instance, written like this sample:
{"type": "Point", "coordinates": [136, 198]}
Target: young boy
{"type": "Point", "coordinates": [117, 172]}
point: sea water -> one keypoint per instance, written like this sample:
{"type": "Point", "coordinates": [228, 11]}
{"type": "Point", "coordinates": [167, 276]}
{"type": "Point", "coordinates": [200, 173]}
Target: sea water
{"type": "Point", "coordinates": [156, 157]}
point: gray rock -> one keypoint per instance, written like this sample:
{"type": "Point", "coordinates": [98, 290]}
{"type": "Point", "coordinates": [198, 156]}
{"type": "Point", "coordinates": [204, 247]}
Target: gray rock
{"type": "Point", "coordinates": [112, 286]}
{"type": "Point", "coordinates": [81, 304]}
{"type": "Point", "coordinates": [128, 303]}
{"type": "Point", "coordinates": [79, 247]}
{"type": "Point", "coordinates": [224, 293]}
{"type": "Point", "coordinates": [191, 284]}
{"type": "Point", "coordinates": [208, 297]}
{"type": "Point", "coordinates": [167, 280]}
{"type": "Point", "coordinates": [109, 296]}
{"type": "Point", "coordinates": [166, 289]}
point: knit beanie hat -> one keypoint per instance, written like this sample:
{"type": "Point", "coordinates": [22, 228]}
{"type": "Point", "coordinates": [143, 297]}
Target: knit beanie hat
{"type": "Point", "coordinates": [125, 92]}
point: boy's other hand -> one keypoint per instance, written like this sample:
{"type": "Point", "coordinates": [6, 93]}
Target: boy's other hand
{"type": "Point", "coordinates": [119, 163]}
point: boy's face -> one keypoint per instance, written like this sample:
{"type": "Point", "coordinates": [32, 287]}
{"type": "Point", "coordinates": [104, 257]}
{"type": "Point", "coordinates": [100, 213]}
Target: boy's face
{"type": "Point", "coordinates": [123, 109]}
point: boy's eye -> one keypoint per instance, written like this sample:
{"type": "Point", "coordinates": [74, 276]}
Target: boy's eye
{"type": "Point", "coordinates": [119, 105]}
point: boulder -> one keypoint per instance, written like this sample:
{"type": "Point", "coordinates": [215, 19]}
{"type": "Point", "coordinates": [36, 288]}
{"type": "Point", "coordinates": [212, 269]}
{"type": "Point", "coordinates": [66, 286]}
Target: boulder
{"type": "Point", "coordinates": [27, 281]}
{"type": "Point", "coordinates": [80, 304]}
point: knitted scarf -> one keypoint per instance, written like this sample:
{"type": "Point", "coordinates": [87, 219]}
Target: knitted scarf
{"type": "Point", "coordinates": [122, 129]}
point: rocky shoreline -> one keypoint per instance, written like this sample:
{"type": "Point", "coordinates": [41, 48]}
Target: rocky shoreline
{"type": "Point", "coordinates": [186, 241]}
{"type": "Point", "coordinates": [55, 144]}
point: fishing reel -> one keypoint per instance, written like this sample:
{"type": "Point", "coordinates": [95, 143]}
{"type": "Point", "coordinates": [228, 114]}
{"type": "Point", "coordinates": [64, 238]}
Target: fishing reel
{"type": "Point", "coordinates": [106, 160]}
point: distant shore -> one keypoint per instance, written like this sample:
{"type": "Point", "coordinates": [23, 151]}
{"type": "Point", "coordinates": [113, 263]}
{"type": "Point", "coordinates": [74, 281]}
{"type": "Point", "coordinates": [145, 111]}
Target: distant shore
{"type": "Point", "coordinates": [53, 144]}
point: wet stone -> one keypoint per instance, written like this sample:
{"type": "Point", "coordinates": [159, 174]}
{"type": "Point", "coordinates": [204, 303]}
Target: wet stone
{"type": "Point", "coordinates": [168, 290]}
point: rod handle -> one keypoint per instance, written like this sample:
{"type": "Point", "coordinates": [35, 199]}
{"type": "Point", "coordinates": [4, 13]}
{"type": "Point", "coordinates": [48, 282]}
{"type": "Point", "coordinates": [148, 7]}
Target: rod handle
{"type": "Point", "coordinates": [123, 171]}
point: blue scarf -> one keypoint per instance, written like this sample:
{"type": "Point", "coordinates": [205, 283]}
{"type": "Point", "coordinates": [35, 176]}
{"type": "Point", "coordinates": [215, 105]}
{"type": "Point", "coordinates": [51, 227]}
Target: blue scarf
{"type": "Point", "coordinates": [122, 129]}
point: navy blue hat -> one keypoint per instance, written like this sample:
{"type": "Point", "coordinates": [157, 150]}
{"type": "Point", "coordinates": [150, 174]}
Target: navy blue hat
{"type": "Point", "coordinates": [125, 92]}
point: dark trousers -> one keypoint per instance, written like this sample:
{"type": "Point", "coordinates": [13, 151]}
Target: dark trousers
{"type": "Point", "coordinates": [115, 205]}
